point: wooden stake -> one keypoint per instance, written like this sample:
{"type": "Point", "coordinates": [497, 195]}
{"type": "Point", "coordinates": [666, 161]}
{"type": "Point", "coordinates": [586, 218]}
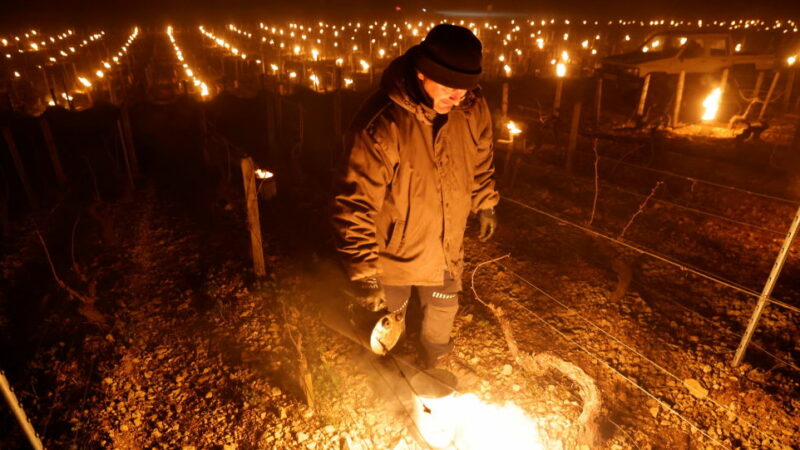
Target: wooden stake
{"type": "Point", "coordinates": [66, 90]}
{"type": "Point", "coordinates": [21, 172]}
{"type": "Point", "coordinates": [557, 100]}
{"type": "Point", "coordinates": [676, 114]}
{"type": "Point", "coordinates": [723, 84]}
{"type": "Point", "coordinates": [643, 97]}
{"type": "Point", "coordinates": [53, 151]}
{"type": "Point", "coordinates": [573, 136]}
{"type": "Point", "coordinates": [47, 82]}
{"type": "Point", "coordinates": [253, 221]}
{"type": "Point", "coordinates": [19, 413]}
{"type": "Point", "coordinates": [767, 292]}
{"type": "Point", "coordinates": [771, 91]}
{"type": "Point", "coordinates": [598, 102]}
{"type": "Point", "coordinates": [759, 82]}
{"type": "Point", "coordinates": [505, 102]}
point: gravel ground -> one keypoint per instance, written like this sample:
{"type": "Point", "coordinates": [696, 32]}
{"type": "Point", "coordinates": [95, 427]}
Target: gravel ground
{"type": "Point", "coordinates": [196, 354]}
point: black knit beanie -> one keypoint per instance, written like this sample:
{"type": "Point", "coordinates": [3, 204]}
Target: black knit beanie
{"type": "Point", "coordinates": [450, 55]}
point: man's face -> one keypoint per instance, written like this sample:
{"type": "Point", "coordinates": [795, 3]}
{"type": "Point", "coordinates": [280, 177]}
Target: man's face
{"type": "Point", "coordinates": [444, 98]}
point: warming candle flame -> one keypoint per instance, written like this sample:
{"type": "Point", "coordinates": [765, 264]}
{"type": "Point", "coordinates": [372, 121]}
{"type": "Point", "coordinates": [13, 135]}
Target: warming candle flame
{"type": "Point", "coordinates": [264, 174]}
{"type": "Point", "coordinates": [513, 129]}
{"type": "Point", "coordinates": [711, 104]}
{"type": "Point", "coordinates": [561, 70]}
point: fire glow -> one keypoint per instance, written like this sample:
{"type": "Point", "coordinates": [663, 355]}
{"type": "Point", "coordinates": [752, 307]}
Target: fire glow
{"type": "Point", "coordinates": [466, 422]}
{"type": "Point", "coordinates": [264, 174]}
{"type": "Point", "coordinates": [711, 104]}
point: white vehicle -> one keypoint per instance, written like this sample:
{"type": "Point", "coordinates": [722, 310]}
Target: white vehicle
{"type": "Point", "coordinates": [673, 51]}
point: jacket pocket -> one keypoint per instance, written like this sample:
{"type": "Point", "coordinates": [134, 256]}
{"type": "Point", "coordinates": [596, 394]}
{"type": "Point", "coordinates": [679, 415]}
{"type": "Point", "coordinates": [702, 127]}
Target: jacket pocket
{"type": "Point", "coordinates": [395, 236]}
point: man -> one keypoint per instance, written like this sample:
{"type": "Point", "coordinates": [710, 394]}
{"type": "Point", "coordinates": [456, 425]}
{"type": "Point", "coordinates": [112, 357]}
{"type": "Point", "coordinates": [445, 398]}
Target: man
{"type": "Point", "coordinates": [419, 160]}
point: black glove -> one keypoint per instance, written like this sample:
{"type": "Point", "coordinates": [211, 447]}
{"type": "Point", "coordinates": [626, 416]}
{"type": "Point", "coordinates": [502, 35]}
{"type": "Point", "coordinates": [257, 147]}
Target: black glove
{"type": "Point", "coordinates": [368, 293]}
{"type": "Point", "coordinates": [488, 221]}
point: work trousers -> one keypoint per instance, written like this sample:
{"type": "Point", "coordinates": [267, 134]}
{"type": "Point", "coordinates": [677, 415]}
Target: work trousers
{"type": "Point", "coordinates": [439, 306]}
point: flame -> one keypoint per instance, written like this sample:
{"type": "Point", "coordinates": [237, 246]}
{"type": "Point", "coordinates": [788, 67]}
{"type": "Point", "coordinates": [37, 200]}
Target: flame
{"type": "Point", "coordinates": [507, 70]}
{"type": "Point", "coordinates": [791, 60]}
{"type": "Point", "coordinates": [711, 104]}
{"type": "Point", "coordinates": [561, 70]}
{"type": "Point", "coordinates": [264, 174]}
{"type": "Point", "coordinates": [470, 424]}
{"type": "Point", "coordinates": [513, 129]}
{"type": "Point", "coordinates": [85, 82]}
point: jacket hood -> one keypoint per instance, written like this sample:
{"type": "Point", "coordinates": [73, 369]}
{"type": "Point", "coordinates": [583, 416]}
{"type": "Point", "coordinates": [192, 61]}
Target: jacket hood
{"type": "Point", "coordinates": [400, 83]}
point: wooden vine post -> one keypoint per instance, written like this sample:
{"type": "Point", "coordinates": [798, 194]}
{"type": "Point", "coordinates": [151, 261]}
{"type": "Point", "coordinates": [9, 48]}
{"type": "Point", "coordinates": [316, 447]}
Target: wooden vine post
{"type": "Point", "coordinates": [573, 136]}
{"type": "Point", "coordinates": [768, 99]}
{"type": "Point", "coordinates": [598, 102]}
{"type": "Point", "coordinates": [20, 166]}
{"type": "Point", "coordinates": [253, 221]}
{"type": "Point", "coordinates": [52, 150]}
{"type": "Point", "coordinates": [643, 96]}
{"type": "Point", "coordinates": [676, 113]}
{"type": "Point", "coordinates": [557, 99]}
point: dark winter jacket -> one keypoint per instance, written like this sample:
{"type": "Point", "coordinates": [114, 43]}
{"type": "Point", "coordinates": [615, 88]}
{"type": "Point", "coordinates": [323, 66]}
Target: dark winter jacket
{"type": "Point", "coordinates": [404, 195]}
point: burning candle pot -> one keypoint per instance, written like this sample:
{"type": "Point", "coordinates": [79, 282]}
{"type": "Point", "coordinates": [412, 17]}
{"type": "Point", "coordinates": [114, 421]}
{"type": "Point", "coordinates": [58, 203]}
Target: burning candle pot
{"type": "Point", "coordinates": [267, 186]}
{"type": "Point", "coordinates": [446, 418]}
{"type": "Point", "coordinates": [434, 407]}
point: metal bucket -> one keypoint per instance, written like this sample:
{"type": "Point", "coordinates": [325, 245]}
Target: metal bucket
{"type": "Point", "coordinates": [378, 331]}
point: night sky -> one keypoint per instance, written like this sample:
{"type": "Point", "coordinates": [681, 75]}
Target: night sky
{"type": "Point", "coordinates": [44, 12]}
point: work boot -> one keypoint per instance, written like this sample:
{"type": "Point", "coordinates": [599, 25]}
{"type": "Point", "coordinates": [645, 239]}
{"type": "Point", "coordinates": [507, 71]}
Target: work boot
{"type": "Point", "coordinates": [449, 362]}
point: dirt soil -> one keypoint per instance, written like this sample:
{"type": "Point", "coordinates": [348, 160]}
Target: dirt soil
{"type": "Point", "coordinates": [194, 353]}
